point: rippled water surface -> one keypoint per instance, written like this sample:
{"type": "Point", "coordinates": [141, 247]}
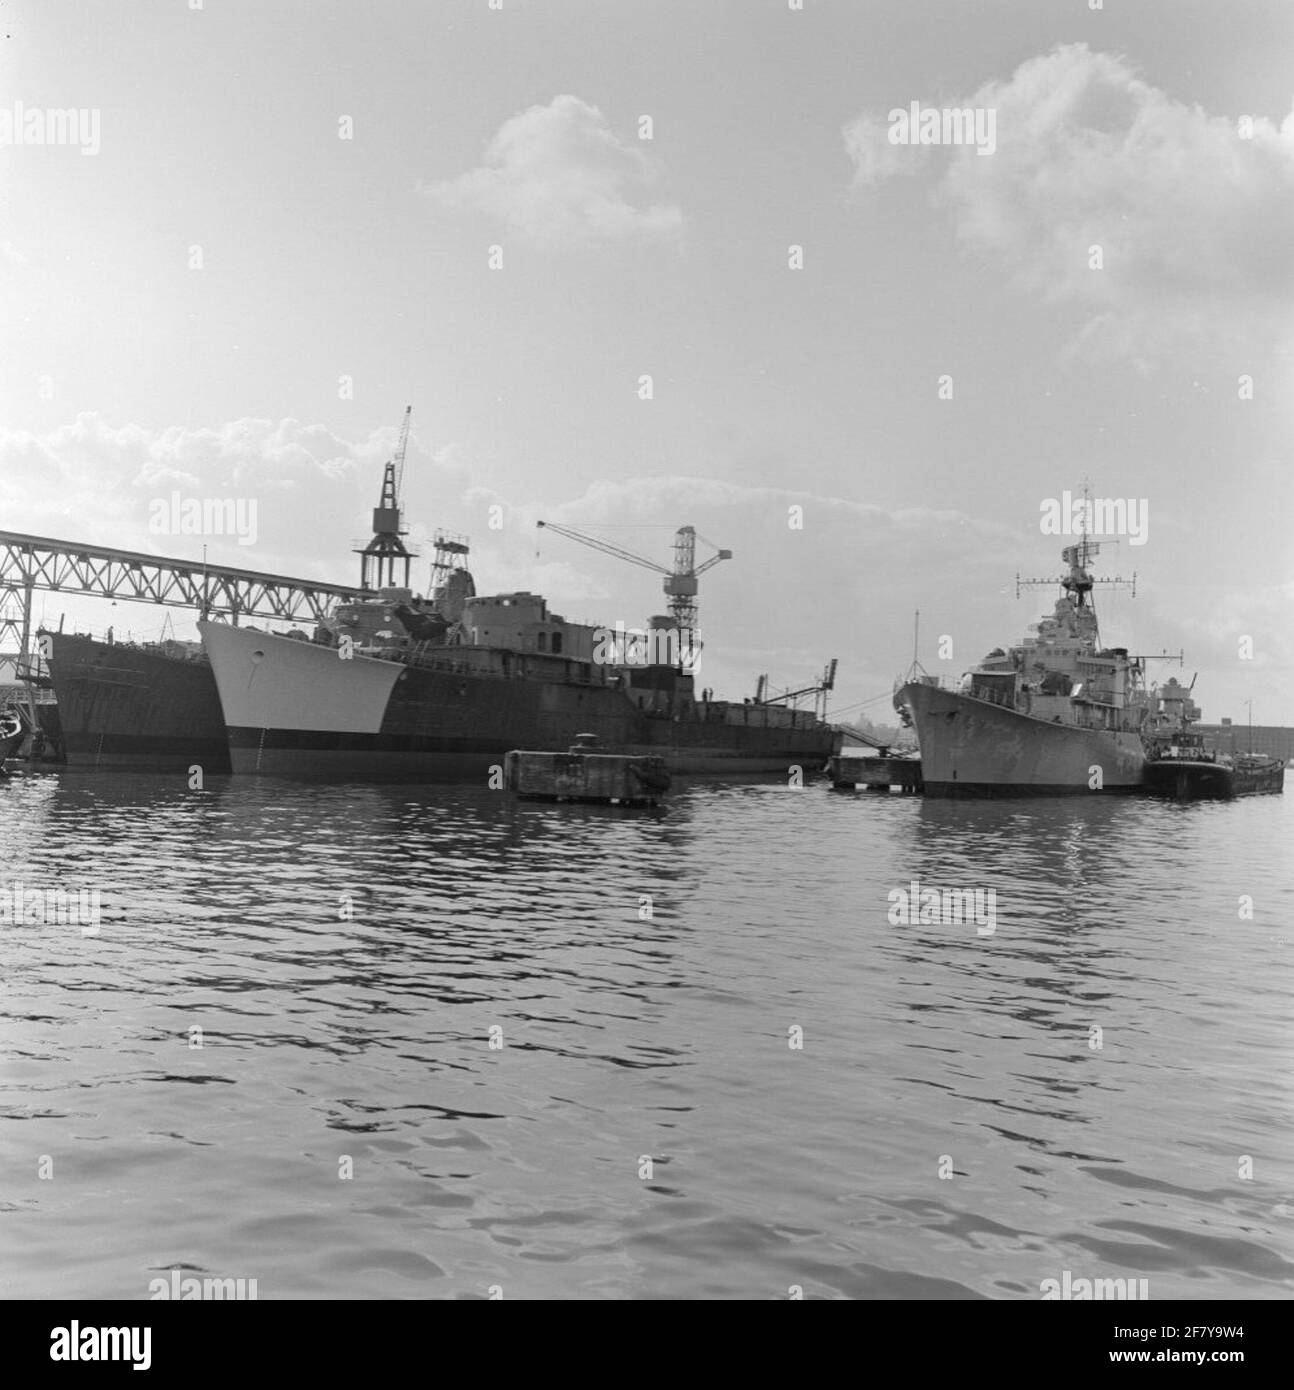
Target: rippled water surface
{"type": "Point", "coordinates": [646, 973]}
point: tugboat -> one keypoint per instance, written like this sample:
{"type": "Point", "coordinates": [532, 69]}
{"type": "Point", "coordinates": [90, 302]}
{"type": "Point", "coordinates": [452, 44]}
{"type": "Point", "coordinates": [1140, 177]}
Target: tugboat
{"type": "Point", "coordinates": [1179, 764]}
{"type": "Point", "coordinates": [1058, 714]}
{"type": "Point", "coordinates": [1187, 771]}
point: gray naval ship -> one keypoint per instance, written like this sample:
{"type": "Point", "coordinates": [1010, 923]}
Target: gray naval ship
{"type": "Point", "coordinates": [401, 687]}
{"type": "Point", "coordinates": [1060, 713]}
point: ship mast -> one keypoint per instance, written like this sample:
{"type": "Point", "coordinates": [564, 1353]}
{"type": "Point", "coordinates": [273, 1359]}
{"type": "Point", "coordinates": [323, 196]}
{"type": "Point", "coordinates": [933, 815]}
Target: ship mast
{"type": "Point", "coordinates": [1078, 583]}
{"type": "Point", "coordinates": [916, 670]}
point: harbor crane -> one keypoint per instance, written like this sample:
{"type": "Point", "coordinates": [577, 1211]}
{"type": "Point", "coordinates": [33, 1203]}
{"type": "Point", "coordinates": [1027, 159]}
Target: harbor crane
{"type": "Point", "coordinates": [382, 558]}
{"type": "Point", "coordinates": [400, 450]}
{"type": "Point", "coordinates": [680, 582]}
{"type": "Point", "coordinates": [819, 690]}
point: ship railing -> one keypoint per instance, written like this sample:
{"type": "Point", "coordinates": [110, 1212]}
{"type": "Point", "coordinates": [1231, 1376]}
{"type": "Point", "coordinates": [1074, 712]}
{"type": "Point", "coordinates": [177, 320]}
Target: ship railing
{"type": "Point", "coordinates": [433, 656]}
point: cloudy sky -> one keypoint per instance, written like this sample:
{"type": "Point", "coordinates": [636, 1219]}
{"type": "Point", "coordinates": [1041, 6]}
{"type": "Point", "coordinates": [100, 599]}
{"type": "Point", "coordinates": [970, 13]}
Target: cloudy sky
{"type": "Point", "coordinates": [284, 227]}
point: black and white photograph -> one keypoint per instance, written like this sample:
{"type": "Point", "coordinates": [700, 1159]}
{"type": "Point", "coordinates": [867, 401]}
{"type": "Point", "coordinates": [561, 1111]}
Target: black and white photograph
{"type": "Point", "coordinates": [646, 654]}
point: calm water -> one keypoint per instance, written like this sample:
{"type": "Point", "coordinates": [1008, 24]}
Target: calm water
{"type": "Point", "coordinates": [519, 1166]}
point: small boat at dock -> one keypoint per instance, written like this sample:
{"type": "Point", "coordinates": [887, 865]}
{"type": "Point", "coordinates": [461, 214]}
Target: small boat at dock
{"type": "Point", "coordinates": [12, 733]}
{"type": "Point", "coordinates": [877, 772]}
{"type": "Point", "coordinates": [1256, 772]}
{"type": "Point", "coordinates": [586, 773]}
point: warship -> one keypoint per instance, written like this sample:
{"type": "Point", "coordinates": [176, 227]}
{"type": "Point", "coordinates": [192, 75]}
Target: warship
{"type": "Point", "coordinates": [404, 688]}
{"type": "Point", "coordinates": [398, 687]}
{"type": "Point", "coordinates": [147, 706]}
{"type": "Point", "coordinates": [1060, 713]}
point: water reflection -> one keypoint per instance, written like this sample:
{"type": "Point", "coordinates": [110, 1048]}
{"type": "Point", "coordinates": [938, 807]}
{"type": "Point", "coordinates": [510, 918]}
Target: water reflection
{"type": "Point", "coordinates": [351, 956]}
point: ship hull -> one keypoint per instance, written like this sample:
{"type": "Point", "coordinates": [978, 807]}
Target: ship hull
{"type": "Point", "coordinates": [295, 709]}
{"type": "Point", "coordinates": [126, 707]}
{"type": "Point", "coordinates": [1187, 780]}
{"type": "Point", "coordinates": [970, 747]}
{"type": "Point", "coordinates": [1184, 780]}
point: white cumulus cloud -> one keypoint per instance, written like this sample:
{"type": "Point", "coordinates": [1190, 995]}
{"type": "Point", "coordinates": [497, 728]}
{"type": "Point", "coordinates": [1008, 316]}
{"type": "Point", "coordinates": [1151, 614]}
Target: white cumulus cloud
{"type": "Point", "coordinates": [559, 175]}
{"type": "Point", "coordinates": [1194, 214]}
{"type": "Point", "coordinates": [93, 481]}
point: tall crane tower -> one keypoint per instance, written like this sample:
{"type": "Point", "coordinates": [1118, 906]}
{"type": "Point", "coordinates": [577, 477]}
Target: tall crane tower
{"type": "Point", "coordinates": [680, 582]}
{"type": "Point", "coordinates": [386, 551]}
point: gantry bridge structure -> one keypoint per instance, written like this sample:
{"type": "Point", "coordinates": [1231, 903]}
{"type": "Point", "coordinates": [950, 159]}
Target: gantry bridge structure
{"type": "Point", "coordinates": [29, 563]}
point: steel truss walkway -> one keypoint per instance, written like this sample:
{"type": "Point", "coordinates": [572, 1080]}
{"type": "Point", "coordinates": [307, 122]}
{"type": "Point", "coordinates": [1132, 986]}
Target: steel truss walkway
{"type": "Point", "coordinates": [36, 562]}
